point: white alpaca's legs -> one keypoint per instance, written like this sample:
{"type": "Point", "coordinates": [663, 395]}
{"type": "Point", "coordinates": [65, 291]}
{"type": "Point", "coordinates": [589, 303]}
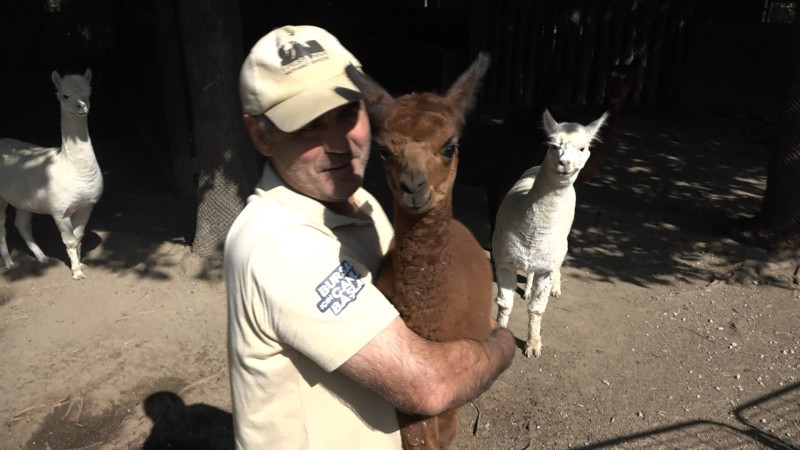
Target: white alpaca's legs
{"type": "Point", "coordinates": [64, 225]}
{"type": "Point", "coordinates": [537, 303]}
{"type": "Point", "coordinates": [555, 291]}
{"type": "Point", "coordinates": [79, 221]}
{"type": "Point", "coordinates": [69, 235]}
{"type": "Point", "coordinates": [7, 262]}
{"type": "Point", "coordinates": [506, 287]}
{"type": "Point", "coordinates": [23, 224]}
{"type": "Point", "coordinates": [538, 288]}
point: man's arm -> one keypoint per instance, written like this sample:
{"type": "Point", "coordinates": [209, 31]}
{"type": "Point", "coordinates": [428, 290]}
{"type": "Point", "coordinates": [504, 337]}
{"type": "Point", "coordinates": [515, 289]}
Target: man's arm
{"type": "Point", "coordinates": [418, 376]}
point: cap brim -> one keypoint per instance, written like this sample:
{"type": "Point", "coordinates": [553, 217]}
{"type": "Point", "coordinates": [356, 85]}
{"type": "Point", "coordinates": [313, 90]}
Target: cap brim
{"type": "Point", "coordinates": [296, 112]}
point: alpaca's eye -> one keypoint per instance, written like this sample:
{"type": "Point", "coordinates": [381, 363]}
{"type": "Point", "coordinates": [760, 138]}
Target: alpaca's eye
{"type": "Point", "coordinates": [449, 150]}
{"type": "Point", "coordinates": [65, 96]}
{"type": "Point", "coordinates": [383, 152]}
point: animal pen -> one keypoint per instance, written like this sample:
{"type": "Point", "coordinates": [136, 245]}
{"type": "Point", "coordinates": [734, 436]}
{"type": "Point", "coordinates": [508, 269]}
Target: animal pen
{"type": "Point", "coordinates": [561, 52]}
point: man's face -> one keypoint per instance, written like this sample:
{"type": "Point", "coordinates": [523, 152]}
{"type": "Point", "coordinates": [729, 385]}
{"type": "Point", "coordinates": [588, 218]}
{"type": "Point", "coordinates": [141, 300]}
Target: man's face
{"type": "Point", "coordinates": [326, 159]}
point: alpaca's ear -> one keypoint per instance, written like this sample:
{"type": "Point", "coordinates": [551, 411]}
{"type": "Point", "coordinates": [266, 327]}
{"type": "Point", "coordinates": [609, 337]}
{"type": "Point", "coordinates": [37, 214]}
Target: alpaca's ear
{"type": "Point", "coordinates": [462, 92]}
{"type": "Point", "coordinates": [594, 127]}
{"type": "Point", "coordinates": [550, 124]}
{"type": "Point", "coordinates": [88, 74]}
{"type": "Point", "coordinates": [56, 79]}
{"type": "Point", "coordinates": [379, 103]}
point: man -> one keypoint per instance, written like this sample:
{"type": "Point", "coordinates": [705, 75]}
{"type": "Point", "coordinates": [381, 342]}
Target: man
{"type": "Point", "coordinates": [319, 358]}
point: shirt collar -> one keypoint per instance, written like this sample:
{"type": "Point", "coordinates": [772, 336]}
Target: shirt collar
{"type": "Point", "coordinates": [272, 186]}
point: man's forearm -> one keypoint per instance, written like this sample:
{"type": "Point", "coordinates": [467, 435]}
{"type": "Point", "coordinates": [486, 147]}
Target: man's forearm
{"type": "Point", "coordinates": [469, 368]}
{"type": "Point", "coordinates": [419, 376]}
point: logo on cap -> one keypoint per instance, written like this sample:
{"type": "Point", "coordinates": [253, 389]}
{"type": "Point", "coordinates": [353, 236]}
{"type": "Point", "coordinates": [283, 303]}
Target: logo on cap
{"type": "Point", "coordinates": [296, 55]}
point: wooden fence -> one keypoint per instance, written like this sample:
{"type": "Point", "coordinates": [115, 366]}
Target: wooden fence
{"type": "Point", "coordinates": [551, 51]}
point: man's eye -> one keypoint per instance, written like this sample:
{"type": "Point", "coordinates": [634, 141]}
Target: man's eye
{"type": "Point", "coordinates": [449, 150]}
{"type": "Point", "coordinates": [311, 125]}
{"type": "Point", "coordinates": [353, 111]}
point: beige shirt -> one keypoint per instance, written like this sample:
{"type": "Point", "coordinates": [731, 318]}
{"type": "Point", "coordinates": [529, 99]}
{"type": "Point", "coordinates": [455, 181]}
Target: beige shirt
{"type": "Point", "coordinates": [301, 302]}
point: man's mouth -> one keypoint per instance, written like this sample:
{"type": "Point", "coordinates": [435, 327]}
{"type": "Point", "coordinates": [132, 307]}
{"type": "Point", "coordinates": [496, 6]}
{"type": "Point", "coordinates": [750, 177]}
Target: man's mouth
{"type": "Point", "coordinates": [338, 167]}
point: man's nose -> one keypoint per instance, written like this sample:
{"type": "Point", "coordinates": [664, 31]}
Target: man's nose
{"type": "Point", "coordinates": [335, 138]}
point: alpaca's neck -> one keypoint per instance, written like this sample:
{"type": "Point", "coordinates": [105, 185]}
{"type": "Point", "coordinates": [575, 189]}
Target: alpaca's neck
{"type": "Point", "coordinates": [549, 196]}
{"type": "Point", "coordinates": [75, 134]}
{"type": "Point", "coordinates": [548, 181]}
{"type": "Point", "coordinates": [76, 147]}
{"type": "Point", "coordinates": [422, 242]}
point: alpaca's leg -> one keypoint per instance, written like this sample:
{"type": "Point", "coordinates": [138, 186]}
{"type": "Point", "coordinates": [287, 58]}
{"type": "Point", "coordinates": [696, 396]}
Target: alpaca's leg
{"type": "Point", "coordinates": [64, 225]}
{"type": "Point", "coordinates": [506, 287]}
{"type": "Point", "coordinates": [79, 220]}
{"type": "Point", "coordinates": [418, 433]}
{"type": "Point", "coordinates": [23, 224]}
{"type": "Point", "coordinates": [555, 291]}
{"type": "Point", "coordinates": [448, 428]}
{"type": "Point", "coordinates": [529, 277]}
{"type": "Point", "coordinates": [7, 262]}
{"type": "Point", "coordinates": [536, 306]}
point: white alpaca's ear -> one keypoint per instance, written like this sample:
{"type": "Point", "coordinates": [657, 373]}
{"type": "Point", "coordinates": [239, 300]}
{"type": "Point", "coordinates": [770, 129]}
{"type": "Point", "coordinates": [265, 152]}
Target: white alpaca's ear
{"type": "Point", "coordinates": [550, 124]}
{"type": "Point", "coordinates": [88, 74]}
{"type": "Point", "coordinates": [56, 79]}
{"type": "Point", "coordinates": [594, 127]}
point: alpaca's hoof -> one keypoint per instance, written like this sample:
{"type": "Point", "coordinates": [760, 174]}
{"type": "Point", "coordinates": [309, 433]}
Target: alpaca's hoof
{"type": "Point", "coordinates": [534, 350]}
{"type": "Point", "coordinates": [555, 292]}
{"type": "Point", "coordinates": [79, 275]}
{"type": "Point", "coordinates": [10, 265]}
{"type": "Point", "coordinates": [43, 260]}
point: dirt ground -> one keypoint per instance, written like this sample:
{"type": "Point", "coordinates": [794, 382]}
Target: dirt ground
{"type": "Point", "coordinates": [667, 335]}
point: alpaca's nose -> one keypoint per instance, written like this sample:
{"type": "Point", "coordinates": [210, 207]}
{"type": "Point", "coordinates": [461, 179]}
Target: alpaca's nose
{"type": "Point", "coordinates": [411, 183]}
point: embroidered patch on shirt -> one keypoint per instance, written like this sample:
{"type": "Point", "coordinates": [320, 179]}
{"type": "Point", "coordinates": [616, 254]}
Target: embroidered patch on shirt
{"type": "Point", "coordinates": [340, 288]}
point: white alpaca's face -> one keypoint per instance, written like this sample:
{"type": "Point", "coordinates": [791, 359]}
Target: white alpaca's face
{"type": "Point", "coordinates": [568, 152]}
{"type": "Point", "coordinates": [73, 93]}
{"type": "Point", "coordinates": [569, 144]}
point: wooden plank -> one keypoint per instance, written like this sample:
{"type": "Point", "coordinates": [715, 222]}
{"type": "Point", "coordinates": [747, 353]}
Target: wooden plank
{"type": "Point", "coordinates": [533, 53]}
{"type": "Point", "coordinates": [175, 101]}
{"type": "Point", "coordinates": [587, 53]}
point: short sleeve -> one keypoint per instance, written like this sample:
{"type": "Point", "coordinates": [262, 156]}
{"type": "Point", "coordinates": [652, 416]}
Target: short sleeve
{"type": "Point", "coordinates": [318, 299]}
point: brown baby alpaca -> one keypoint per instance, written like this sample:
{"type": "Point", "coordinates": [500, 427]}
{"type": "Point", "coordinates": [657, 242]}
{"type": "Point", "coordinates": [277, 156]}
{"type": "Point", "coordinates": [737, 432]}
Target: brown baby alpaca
{"type": "Point", "coordinates": [436, 273]}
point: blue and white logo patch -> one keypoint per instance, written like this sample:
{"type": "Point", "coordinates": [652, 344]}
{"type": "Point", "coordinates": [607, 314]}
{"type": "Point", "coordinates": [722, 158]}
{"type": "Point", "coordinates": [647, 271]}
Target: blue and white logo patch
{"type": "Point", "coordinates": [340, 288]}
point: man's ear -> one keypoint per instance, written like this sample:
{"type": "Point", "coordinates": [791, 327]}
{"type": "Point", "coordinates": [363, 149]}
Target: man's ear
{"type": "Point", "coordinates": [257, 135]}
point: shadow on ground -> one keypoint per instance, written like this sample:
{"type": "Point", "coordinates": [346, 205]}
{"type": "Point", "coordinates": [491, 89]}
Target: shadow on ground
{"type": "Point", "coordinates": [771, 421]}
{"type": "Point", "coordinates": [178, 426]}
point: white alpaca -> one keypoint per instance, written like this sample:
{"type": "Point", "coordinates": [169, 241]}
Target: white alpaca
{"type": "Point", "coordinates": [533, 222]}
{"type": "Point", "coordinates": [63, 182]}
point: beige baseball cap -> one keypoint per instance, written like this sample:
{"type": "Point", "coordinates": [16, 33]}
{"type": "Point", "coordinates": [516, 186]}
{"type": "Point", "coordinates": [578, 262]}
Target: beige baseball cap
{"type": "Point", "coordinates": [295, 74]}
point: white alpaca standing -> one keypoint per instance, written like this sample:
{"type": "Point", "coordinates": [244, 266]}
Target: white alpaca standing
{"type": "Point", "coordinates": [63, 182]}
{"type": "Point", "coordinates": [533, 222]}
